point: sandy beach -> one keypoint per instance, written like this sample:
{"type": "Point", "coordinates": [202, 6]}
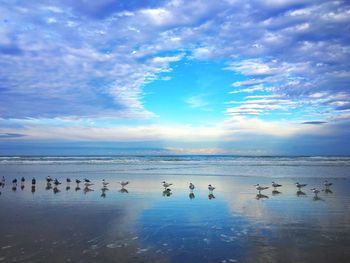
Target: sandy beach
{"type": "Point", "coordinates": [142, 224]}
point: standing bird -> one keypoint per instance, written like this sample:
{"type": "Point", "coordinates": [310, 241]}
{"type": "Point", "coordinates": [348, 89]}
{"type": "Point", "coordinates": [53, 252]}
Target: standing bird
{"type": "Point", "coordinates": [14, 182]}
{"type": "Point", "coordinates": [104, 183]}
{"type": "Point", "coordinates": [166, 185]}
{"type": "Point", "coordinates": [87, 180]}
{"type": "Point", "coordinates": [315, 191]}
{"type": "Point", "coordinates": [327, 184]}
{"type": "Point", "coordinates": [49, 179]}
{"type": "Point", "coordinates": [3, 180]}
{"type": "Point", "coordinates": [77, 181]}
{"type": "Point", "coordinates": [68, 180]}
{"type": "Point", "coordinates": [23, 180]}
{"type": "Point", "coordinates": [260, 188]}
{"type": "Point", "coordinates": [33, 181]}
{"type": "Point", "coordinates": [300, 185]}
{"type": "Point", "coordinates": [123, 184]}
{"type": "Point", "coordinates": [191, 186]}
{"type": "Point", "coordinates": [56, 182]}
{"type": "Point", "coordinates": [211, 188]}
{"type": "Point", "coordinates": [275, 185]}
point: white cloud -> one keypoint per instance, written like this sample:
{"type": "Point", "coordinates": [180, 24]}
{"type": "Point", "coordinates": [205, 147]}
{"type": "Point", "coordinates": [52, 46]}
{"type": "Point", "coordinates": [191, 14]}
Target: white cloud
{"type": "Point", "coordinates": [197, 101]}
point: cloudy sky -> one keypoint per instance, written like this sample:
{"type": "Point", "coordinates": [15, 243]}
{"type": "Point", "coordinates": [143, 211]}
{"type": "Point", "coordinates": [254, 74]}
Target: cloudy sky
{"type": "Point", "coordinates": [210, 77]}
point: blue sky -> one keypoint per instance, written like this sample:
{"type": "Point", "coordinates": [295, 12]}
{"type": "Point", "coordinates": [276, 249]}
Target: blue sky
{"type": "Point", "coordinates": [177, 77]}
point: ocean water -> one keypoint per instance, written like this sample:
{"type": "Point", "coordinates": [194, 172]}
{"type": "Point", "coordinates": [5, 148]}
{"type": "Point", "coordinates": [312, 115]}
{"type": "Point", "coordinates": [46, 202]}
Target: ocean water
{"type": "Point", "coordinates": [142, 223]}
{"type": "Point", "coordinates": [322, 167]}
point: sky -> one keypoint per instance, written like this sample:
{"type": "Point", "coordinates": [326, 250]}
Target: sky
{"type": "Point", "coordinates": [249, 77]}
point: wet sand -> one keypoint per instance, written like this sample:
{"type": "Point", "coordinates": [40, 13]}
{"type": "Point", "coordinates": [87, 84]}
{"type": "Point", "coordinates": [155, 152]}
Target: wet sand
{"type": "Point", "coordinates": [143, 224]}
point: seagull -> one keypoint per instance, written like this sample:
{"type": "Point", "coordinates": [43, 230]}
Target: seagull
{"type": "Point", "coordinates": [166, 185]}
{"type": "Point", "coordinates": [191, 187]}
{"type": "Point", "coordinates": [260, 188]}
{"type": "Point", "coordinates": [14, 182]}
{"type": "Point", "coordinates": [23, 180]}
{"type": "Point", "coordinates": [87, 180]}
{"type": "Point", "coordinates": [300, 185]}
{"type": "Point", "coordinates": [315, 191]}
{"type": "Point", "coordinates": [49, 179]}
{"type": "Point", "coordinates": [211, 188]}
{"type": "Point", "coordinates": [122, 183]}
{"type": "Point", "coordinates": [104, 183]}
{"type": "Point", "coordinates": [56, 182]}
{"type": "Point", "coordinates": [33, 181]}
{"type": "Point", "coordinates": [3, 180]}
{"type": "Point", "coordinates": [68, 180]}
{"type": "Point", "coordinates": [327, 184]}
{"type": "Point", "coordinates": [77, 181]}
{"type": "Point", "coordinates": [275, 185]}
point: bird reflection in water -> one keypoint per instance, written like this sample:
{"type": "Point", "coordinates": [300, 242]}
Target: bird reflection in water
{"type": "Point", "coordinates": [87, 190]}
{"type": "Point", "coordinates": [211, 196]}
{"type": "Point", "coordinates": [56, 190]}
{"type": "Point", "coordinates": [77, 188]}
{"type": "Point", "coordinates": [124, 191]}
{"type": "Point", "coordinates": [328, 191]}
{"type": "Point", "coordinates": [48, 186]}
{"type": "Point", "coordinates": [67, 188]}
{"type": "Point", "coordinates": [191, 195]}
{"type": "Point", "coordinates": [33, 189]}
{"type": "Point", "coordinates": [103, 194]}
{"type": "Point", "coordinates": [22, 187]}
{"type": "Point", "coordinates": [167, 192]}
{"type": "Point", "coordinates": [14, 188]}
{"type": "Point", "coordinates": [261, 196]}
{"type": "Point", "coordinates": [300, 193]}
{"type": "Point", "coordinates": [317, 198]}
{"type": "Point", "coordinates": [276, 192]}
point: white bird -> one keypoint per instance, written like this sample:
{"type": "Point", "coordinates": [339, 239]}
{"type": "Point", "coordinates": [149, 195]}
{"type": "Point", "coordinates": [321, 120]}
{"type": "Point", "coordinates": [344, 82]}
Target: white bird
{"type": "Point", "coordinates": [166, 185]}
{"type": "Point", "coordinates": [300, 185]}
{"type": "Point", "coordinates": [315, 191]}
{"type": "Point", "coordinates": [260, 188]}
{"type": "Point", "coordinates": [327, 184]}
{"type": "Point", "coordinates": [275, 185]}
{"type": "Point", "coordinates": [211, 188]}
{"type": "Point", "coordinates": [104, 183]}
{"type": "Point", "coordinates": [123, 184]}
{"type": "Point", "coordinates": [191, 187]}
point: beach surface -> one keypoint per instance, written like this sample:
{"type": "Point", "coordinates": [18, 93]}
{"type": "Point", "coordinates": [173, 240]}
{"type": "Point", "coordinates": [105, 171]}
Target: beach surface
{"type": "Point", "coordinates": [142, 223]}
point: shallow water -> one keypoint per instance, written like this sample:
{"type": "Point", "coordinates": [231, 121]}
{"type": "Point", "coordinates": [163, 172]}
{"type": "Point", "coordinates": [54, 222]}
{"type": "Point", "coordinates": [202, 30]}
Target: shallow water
{"type": "Point", "coordinates": [143, 224]}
